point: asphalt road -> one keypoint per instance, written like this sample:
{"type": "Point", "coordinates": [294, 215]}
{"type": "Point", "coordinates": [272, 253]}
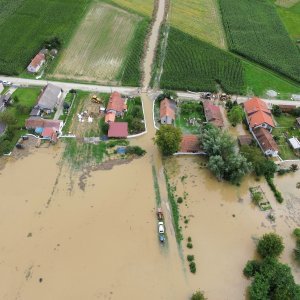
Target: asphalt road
{"type": "Point", "coordinates": [66, 86]}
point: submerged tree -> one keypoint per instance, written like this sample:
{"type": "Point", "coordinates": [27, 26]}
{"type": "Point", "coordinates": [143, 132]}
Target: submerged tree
{"type": "Point", "coordinates": [224, 160]}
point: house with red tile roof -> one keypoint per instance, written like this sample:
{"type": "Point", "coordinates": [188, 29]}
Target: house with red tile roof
{"type": "Point", "coordinates": [167, 111]}
{"type": "Point", "coordinates": [118, 130]}
{"type": "Point", "coordinates": [36, 63]}
{"type": "Point", "coordinates": [110, 117]}
{"type": "Point", "coordinates": [258, 114]}
{"type": "Point", "coordinates": [265, 141]}
{"type": "Point", "coordinates": [34, 123]}
{"type": "Point", "coordinates": [213, 114]}
{"type": "Point", "coordinates": [190, 144]}
{"type": "Point", "coordinates": [116, 104]}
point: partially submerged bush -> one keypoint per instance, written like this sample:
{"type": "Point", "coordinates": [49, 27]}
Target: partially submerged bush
{"type": "Point", "coordinates": [135, 150]}
{"type": "Point", "coordinates": [193, 268]}
{"type": "Point", "coordinates": [190, 258]}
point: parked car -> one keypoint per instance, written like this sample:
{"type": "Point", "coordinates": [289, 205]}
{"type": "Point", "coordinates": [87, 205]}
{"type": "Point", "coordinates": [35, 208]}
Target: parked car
{"type": "Point", "coordinates": [6, 83]}
{"type": "Point", "coordinates": [161, 227]}
{"type": "Point", "coordinates": [162, 238]}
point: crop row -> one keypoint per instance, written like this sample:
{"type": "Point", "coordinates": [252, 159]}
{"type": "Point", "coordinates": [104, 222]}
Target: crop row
{"type": "Point", "coordinates": [255, 31]}
{"type": "Point", "coordinates": [191, 64]}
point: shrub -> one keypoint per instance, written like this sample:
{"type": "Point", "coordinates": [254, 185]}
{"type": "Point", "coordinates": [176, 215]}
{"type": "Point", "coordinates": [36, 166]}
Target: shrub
{"type": "Point", "coordinates": [135, 150]}
{"type": "Point", "coordinates": [179, 200]}
{"type": "Point", "coordinates": [198, 296]}
{"type": "Point", "coordinates": [192, 267]}
{"type": "Point", "coordinates": [189, 245]}
{"type": "Point", "coordinates": [251, 268]}
{"type": "Point", "coordinates": [189, 239]}
{"type": "Point", "coordinates": [104, 128]}
{"type": "Point", "coordinates": [296, 233]}
{"type": "Point", "coordinates": [270, 245]}
{"type": "Point", "coordinates": [276, 193]}
{"type": "Point", "coordinates": [190, 258]}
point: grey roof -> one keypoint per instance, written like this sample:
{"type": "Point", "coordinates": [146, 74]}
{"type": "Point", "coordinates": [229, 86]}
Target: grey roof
{"type": "Point", "coordinates": [35, 112]}
{"type": "Point", "coordinates": [49, 97]}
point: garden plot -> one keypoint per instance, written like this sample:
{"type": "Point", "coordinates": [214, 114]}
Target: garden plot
{"type": "Point", "coordinates": [98, 48]}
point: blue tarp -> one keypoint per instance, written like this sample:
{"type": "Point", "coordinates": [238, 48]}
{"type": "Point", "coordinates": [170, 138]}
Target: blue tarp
{"type": "Point", "coordinates": [39, 130]}
{"type": "Point", "coordinates": [121, 150]}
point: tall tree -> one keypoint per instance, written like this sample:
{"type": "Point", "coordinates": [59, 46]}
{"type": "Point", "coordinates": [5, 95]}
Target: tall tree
{"type": "Point", "coordinates": [168, 139]}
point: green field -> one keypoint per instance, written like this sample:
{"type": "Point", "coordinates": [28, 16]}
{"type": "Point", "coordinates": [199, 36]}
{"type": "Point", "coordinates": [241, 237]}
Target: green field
{"type": "Point", "coordinates": [191, 64]}
{"type": "Point", "coordinates": [258, 81]}
{"type": "Point", "coordinates": [255, 31]}
{"type": "Point", "coordinates": [200, 19]}
{"type": "Point", "coordinates": [290, 17]}
{"type": "Point", "coordinates": [144, 7]}
{"type": "Point", "coordinates": [25, 26]}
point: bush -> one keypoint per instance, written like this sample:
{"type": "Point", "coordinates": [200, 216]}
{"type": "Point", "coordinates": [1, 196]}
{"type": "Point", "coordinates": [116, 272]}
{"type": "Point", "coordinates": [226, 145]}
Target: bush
{"type": "Point", "coordinates": [135, 150]}
{"type": "Point", "coordinates": [189, 245]}
{"type": "Point", "coordinates": [189, 239]}
{"type": "Point", "coordinates": [22, 109]}
{"type": "Point", "coordinates": [104, 128]}
{"type": "Point", "coordinates": [270, 245]}
{"type": "Point", "coordinates": [190, 258]}
{"type": "Point", "coordinates": [179, 200]}
{"type": "Point", "coordinates": [113, 143]}
{"type": "Point", "coordinates": [251, 268]}
{"type": "Point", "coordinates": [296, 233]}
{"type": "Point", "coordinates": [198, 296]}
{"type": "Point", "coordinates": [192, 266]}
{"type": "Point", "coordinates": [276, 193]}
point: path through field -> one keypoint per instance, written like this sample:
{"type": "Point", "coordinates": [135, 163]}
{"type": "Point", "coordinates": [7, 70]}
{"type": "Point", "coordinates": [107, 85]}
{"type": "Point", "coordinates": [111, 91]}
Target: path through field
{"type": "Point", "coordinates": [99, 46]}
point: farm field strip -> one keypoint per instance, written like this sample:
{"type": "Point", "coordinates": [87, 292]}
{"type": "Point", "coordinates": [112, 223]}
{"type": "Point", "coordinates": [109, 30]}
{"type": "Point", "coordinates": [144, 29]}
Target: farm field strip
{"type": "Point", "coordinates": [99, 46]}
{"type": "Point", "coordinates": [144, 7]}
{"type": "Point", "coordinates": [24, 32]}
{"type": "Point", "coordinates": [200, 19]}
{"type": "Point", "coordinates": [255, 31]}
{"type": "Point", "coordinates": [286, 3]}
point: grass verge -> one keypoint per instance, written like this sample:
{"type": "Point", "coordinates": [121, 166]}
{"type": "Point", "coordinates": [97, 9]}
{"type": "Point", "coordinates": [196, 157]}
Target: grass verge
{"type": "Point", "coordinates": [156, 187]}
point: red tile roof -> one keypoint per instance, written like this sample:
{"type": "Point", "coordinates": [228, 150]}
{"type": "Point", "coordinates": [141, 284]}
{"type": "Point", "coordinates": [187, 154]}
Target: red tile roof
{"type": "Point", "coordinates": [33, 123]}
{"type": "Point", "coordinates": [118, 129]}
{"type": "Point", "coordinates": [116, 103]}
{"type": "Point", "coordinates": [190, 144]}
{"type": "Point", "coordinates": [110, 117]}
{"type": "Point", "coordinates": [213, 114]}
{"type": "Point", "coordinates": [258, 113]}
{"type": "Point", "coordinates": [37, 60]}
{"type": "Point", "coordinates": [167, 108]}
{"type": "Point", "coordinates": [48, 132]}
{"type": "Point", "coordinates": [255, 104]}
{"type": "Point", "coordinates": [265, 139]}
{"type": "Point", "coordinates": [259, 118]}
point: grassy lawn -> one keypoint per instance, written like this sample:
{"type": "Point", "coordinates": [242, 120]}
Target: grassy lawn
{"type": "Point", "coordinates": [259, 80]}
{"type": "Point", "coordinates": [26, 98]}
{"type": "Point", "coordinates": [285, 128]}
{"type": "Point", "coordinates": [290, 17]}
{"type": "Point", "coordinates": [186, 111]}
{"type": "Point", "coordinates": [200, 19]}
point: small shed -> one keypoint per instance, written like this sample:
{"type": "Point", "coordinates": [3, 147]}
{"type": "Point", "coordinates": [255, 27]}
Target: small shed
{"type": "Point", "coordinates": [294, 142]}
{"type": "Point", "coordinates": [190, 144]}
{"type": "Point", "coordinates": [296, 97]}
{"type": "Point", "coordinates": [245, 139]}
{"type": "Point", "coordinates": [286, 108]}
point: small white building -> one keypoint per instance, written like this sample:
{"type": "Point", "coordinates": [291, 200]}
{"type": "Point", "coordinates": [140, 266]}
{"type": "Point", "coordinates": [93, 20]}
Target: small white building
{"type": "Point", "coordinates": [294, 143]}
{"type": "Point", "coordinates": [36, 63]}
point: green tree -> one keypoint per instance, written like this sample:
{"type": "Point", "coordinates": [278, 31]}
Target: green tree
{"type": "Point", "coordinates": [261, 165]}
{"type": "Point", "coordinates": [276, 110]}
{"type": "Point", "coordinates": [198, 296]}
{"type": "Point", "coordinates": [8, 117]}
{"type": "Point", "coordinates": [224, 161]}
{"type": "Point", "coordinates": [236, 115]}
{"type": "Point", "coordinates": [22, 109]}
{"type": "Point", "coordinates": [270, 245]}
{"type": "Point", "coordinates": [168, 139]}
{"type": "Point", "coordinates": [259, 288]}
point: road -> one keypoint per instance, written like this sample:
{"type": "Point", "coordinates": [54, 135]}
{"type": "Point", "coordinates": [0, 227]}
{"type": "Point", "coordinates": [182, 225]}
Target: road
{"type": "Point", "coordinates": [66, 86]}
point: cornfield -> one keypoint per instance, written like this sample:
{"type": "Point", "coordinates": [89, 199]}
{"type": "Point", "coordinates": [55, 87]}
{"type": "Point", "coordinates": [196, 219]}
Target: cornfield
{"type": "Point", "coordinates": [255, 31]}
{"type": "Point", "coordinates": [191, 64]}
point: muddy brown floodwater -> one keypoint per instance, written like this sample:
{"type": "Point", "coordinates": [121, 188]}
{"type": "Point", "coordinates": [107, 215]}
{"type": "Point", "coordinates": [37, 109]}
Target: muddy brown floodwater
{"type": "Point", "coordinates": [224, 225]}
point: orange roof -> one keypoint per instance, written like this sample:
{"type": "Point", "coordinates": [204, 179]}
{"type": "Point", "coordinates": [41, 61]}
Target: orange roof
{"type": "Point", "coordinates": [259, 118]}
{"type": "Point", "coordinates": [116, 103]}
{"type": "Point", "coordinates": [265, 139]}
{"type": "Point", "coordinates": [213, 114]}
{"type": "Point", "coordinates": [167, 109]}
{"type": "Point", "coordinates": [255, 104]}
{"type": "Point", "coordinates": [118, 130]}
{"type": "Point", "coordinates": [190, 143]}
{"type": "Point", "coordinates": [110, 117]}
{"type": "Point", "coordinates": [37, 60]}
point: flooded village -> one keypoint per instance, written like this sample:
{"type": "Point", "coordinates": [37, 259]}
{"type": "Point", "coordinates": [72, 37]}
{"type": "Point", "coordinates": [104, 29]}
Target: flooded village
{"type": "Point", "coordinates": [91, 208]}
